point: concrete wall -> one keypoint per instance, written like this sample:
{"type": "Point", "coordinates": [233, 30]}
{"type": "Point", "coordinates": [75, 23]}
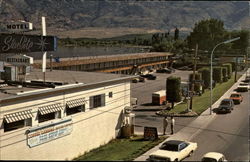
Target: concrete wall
{"type": "Point", "coordinates": [91, 128]}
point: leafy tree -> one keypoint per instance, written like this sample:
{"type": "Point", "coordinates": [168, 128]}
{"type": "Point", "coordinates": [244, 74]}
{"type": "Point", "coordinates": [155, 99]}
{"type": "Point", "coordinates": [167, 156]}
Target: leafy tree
{"type": "Point", "coordinates": [176, 34]}
{"type": "Point", "coordinates": [242, 43]}
{"type": "Point", "coordinates": [207, 33]}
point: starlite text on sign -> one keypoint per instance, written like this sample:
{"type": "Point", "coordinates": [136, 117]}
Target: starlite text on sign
{"type": "Point", "coordinates": [24, 44]}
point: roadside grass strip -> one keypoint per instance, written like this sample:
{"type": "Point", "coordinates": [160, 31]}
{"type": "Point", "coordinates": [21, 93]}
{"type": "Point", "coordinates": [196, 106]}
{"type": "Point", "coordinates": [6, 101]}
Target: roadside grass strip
{"type": "Point", "coordinates": [201, 103]}
{"type": "Point", "coordinates": [120, 149]}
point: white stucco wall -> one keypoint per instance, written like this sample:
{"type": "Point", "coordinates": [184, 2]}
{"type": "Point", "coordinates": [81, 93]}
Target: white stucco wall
{"type": "Point", "coordinates": [91, 128]}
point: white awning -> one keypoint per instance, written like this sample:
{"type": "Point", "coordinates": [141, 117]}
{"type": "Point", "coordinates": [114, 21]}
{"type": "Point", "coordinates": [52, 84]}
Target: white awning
{"type": "Point", "coordinates": [76, 102]}
{"type": "Point", "coordinates": [50, 108]}
{"type": "Point", "coordinates": [13, 117]}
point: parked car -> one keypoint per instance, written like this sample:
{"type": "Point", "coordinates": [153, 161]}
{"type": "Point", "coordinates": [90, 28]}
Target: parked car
{"type": "Point", "coordinates": [236, 97]}
{"type": "Point", "coordinates": [213, 157]}
{"type": "Point", "coordinates": [135, 80]}
{"type": "Point", "coordinates": [141, 79]}
{"type": "Point", "coordinates": [184, 68]}
{"type": "Point", "coordinates": [149, 76]}
{"type": "Point", "coordinates": [242, 88]}
{"type": "Point", "coordinates": [165, 70]}
{"type": "Point", "coordinates": [173, 150]}
{"type": "Point", "coordinates": [172, 69]}
{"type": "Point", "coordinates": [245, 84]}
{"type": "Point", "coordinates": [226, 106]}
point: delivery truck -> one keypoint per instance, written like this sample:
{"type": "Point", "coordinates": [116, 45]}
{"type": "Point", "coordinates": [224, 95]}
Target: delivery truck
{"type": "Point", "coordinates": [159, 97]}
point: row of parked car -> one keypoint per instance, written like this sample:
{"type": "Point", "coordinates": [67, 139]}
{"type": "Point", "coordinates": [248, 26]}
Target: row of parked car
{"type": "Point", "coordinates": [227, 104]}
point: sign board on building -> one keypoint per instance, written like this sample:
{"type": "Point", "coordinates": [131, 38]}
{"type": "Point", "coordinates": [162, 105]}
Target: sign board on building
{"type": "Point", "coordinates": [19, 26]}
{"type": "Point", "coordinates": [20, 43]}
{"type": "Point", "coordinates": [40, 135]}
{"type": "Point", "coordinates": [150, 133]}
{"type": "Point", "coordinates": [20, 60]}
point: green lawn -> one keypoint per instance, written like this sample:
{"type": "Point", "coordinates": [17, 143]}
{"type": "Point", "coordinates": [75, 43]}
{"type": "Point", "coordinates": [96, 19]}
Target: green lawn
{"type": "Point", "coordinates": [201, 103]}
{"type": "Point", "coordinates": [120, 149]}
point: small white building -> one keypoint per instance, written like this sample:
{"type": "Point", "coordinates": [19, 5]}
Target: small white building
{"type": "Point", "coordinates": [49, 122]}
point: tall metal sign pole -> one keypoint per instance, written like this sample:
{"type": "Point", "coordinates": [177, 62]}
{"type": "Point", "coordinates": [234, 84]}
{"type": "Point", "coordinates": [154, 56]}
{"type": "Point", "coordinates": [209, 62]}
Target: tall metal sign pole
{"type": "Point", "coordinates": [44, 53]}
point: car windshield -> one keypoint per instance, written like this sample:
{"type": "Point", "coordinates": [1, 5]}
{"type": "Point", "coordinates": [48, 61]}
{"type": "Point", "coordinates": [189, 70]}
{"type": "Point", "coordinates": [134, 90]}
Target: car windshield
{"type": "Point", "coordinates": [225, 102]}
{"type": "Point", "coordinates": [235, 95]}
{"type": "Point", "coordinates": [206, 159]}
{"type": "Point", "coordinates": [169, 147]}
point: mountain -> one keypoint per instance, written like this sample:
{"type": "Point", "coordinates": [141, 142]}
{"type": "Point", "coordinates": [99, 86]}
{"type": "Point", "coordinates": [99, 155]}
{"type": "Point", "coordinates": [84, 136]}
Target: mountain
{"type": "Point", "coordinates": [76, 15]}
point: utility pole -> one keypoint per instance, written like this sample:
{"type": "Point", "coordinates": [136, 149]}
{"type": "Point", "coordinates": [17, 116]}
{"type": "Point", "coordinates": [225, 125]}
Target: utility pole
{"type": "Point", "coordinates": [193, 79]}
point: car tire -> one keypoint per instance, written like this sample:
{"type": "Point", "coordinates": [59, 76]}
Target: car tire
{"type": "Point", "coordinates": [191, 152]}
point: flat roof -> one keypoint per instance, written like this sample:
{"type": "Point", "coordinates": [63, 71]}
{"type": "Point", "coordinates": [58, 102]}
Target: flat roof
{"type": "Point", "coordinates": [67, 78]}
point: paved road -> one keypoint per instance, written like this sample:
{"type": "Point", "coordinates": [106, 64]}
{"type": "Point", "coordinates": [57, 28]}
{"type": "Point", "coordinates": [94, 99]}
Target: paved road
{"type": "Point", "coordinates": [227, 133]}
{"type": "Point", "coordinates": [143, 91]}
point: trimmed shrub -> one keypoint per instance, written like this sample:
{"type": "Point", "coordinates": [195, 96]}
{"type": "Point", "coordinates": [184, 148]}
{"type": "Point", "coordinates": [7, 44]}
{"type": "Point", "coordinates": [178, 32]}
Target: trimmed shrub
{"type": "Point", "coordinates": [229, 69]}
{"type": "Point", "coordinates": [233, 66]}
{"type": "Point", "coordinates": [217, 74]}
{"type": "Point", "coordinates": [224, 73]}
{"type": "Point", "coordinates": [205, 75]}
{"type": "Point", "coordinates": [196, 85]}
{"type": "Point", "coordinates": [173, 88]}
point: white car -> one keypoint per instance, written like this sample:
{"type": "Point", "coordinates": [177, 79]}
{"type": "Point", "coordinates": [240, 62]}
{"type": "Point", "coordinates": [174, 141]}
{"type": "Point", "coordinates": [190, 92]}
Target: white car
{"type": "Point", "coordinates": [173, 150]}
{"type": "Point", "coordinates": [245, 84]}
{"type": "Point", "coordinates": [213, 157]}
{"type": "Point", "coordinates": [243, 87]}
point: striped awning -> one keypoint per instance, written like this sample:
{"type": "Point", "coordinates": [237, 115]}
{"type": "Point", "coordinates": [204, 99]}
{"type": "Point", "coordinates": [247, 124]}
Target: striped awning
{"type": "Point", "coordinates": [76, 102]}
{"type": "Point", "coordinates": [50, 108]}
{"type": "Point", "coordinates": [13, 117]}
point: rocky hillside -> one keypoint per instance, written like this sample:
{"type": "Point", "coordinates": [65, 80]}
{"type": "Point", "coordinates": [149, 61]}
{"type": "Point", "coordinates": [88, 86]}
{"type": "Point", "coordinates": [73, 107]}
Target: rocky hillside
{"type": "Point", "coordinates": [160, 15]}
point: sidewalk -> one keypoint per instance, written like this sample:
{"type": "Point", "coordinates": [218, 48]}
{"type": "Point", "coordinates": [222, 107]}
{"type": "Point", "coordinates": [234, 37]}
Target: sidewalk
{"type": "Point", "coordinates": [196, 126]}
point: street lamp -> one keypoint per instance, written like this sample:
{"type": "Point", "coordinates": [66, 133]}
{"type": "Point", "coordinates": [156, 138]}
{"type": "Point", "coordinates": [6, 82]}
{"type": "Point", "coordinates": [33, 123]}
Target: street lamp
{"type": "Point", "coordinates": [211, 69]}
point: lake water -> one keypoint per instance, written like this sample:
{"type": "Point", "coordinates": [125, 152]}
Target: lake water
{"type": "Point", "coordinates": [63, 52]}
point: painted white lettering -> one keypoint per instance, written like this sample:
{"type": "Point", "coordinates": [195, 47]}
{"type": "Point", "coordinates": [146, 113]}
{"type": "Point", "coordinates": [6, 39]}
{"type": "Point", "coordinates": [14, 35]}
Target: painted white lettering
{"type": "Point", "coordinates": [12, 43]}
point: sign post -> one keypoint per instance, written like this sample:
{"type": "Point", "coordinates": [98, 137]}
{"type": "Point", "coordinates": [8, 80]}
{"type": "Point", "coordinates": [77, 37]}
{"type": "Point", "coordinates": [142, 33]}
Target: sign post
{"type": "Point", "coordinates": [44, 53]}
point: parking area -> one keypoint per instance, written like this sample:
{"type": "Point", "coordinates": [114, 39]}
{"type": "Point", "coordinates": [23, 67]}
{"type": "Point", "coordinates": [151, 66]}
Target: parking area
{"type": "Point", "coordinates": [143, 92]}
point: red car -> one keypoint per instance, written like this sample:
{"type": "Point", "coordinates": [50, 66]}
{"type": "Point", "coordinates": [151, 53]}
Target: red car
{"type": "Point", "coordinates": [236, 97]}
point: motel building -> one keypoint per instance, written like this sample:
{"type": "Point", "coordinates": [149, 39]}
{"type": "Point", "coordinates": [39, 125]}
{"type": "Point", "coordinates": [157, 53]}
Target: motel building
{"type": "Point", "coordinates": [68, 115]}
